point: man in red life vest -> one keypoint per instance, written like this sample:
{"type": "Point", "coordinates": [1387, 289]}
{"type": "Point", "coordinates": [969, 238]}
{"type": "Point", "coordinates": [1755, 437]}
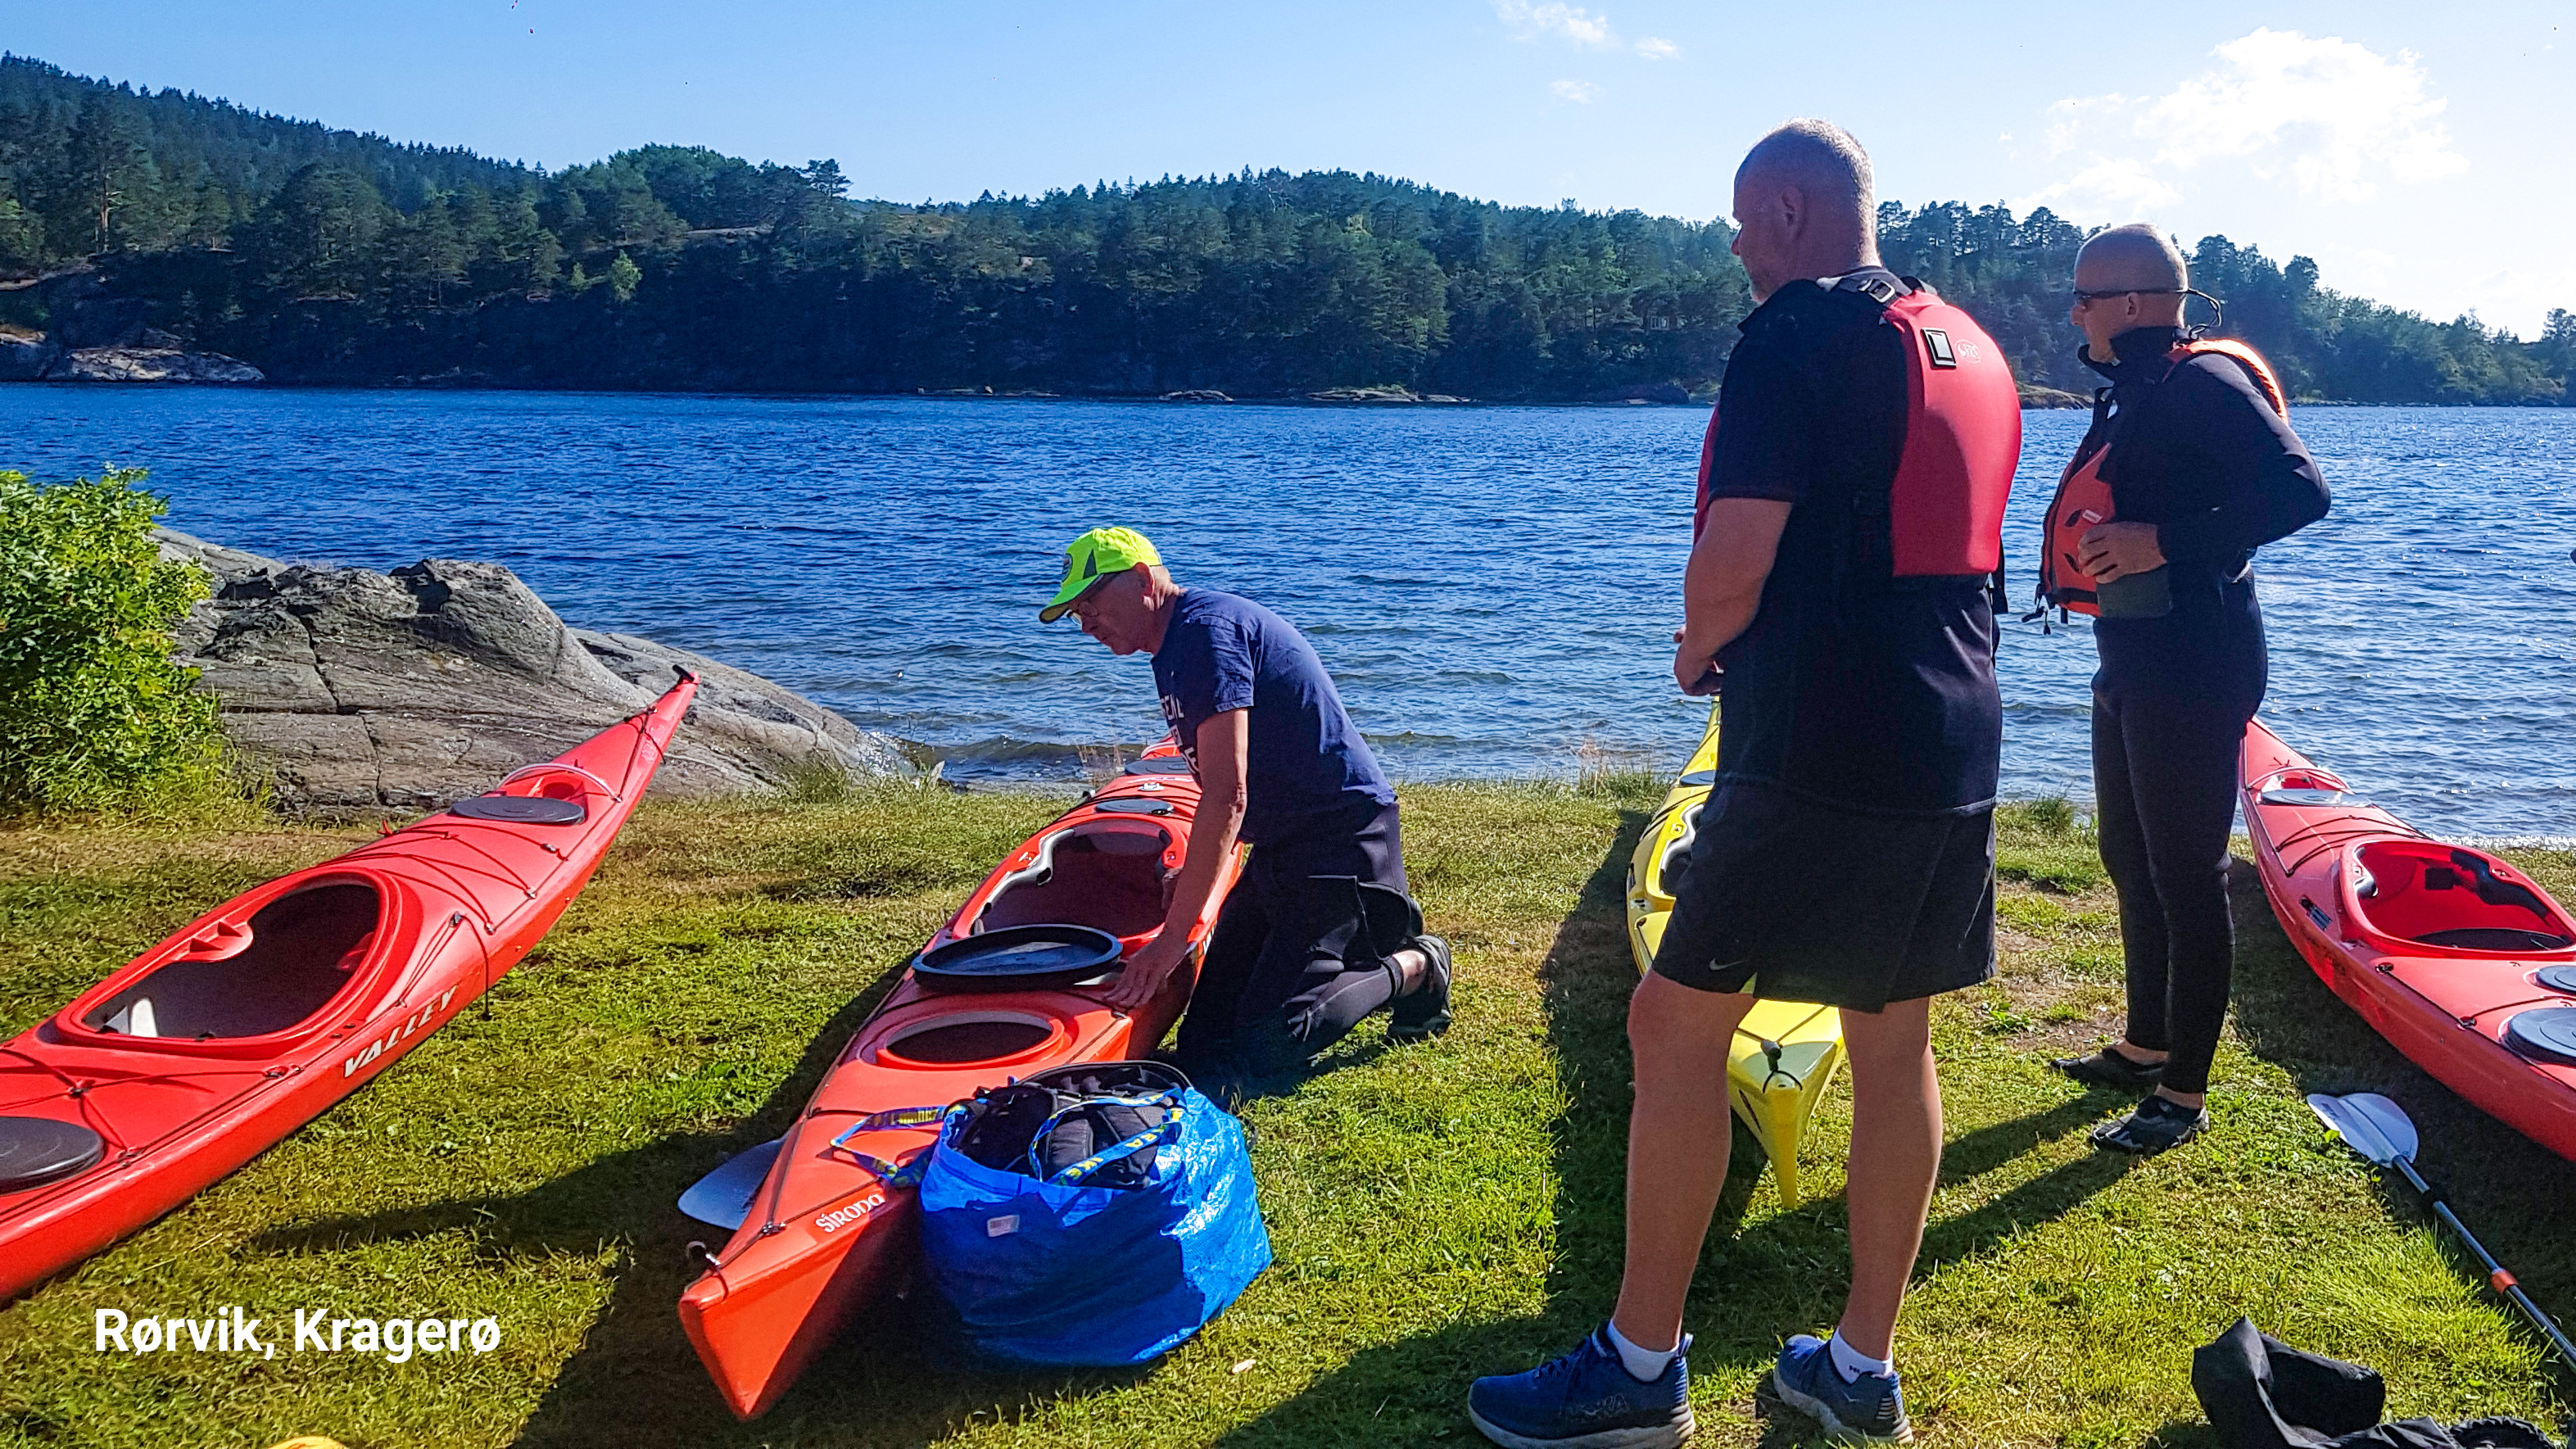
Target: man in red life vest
{"type": "Point", "coordinates": [1852, 496]}
{"type": "Point", "coordinates": [2190, 465]}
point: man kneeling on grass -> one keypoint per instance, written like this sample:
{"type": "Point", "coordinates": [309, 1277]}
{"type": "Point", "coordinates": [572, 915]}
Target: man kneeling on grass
{"type": "Point", "coordinates": [1318, 933]}
{"type": "Point", "coordinates": [1846, 854]}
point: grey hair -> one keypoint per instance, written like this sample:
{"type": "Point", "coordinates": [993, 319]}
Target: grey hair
{"type": "Point", "coordinates": [2139, 255]}
{"type": "Point", "coordinates": [1824, 159]}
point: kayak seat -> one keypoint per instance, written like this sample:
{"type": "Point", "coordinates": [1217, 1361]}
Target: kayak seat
{"type": "Point", "coordinates": [1106, 874]}
{"type": "Point", "coordinates": [299, 958]}
{"type": "Point", "coordinates": [2455, 899]}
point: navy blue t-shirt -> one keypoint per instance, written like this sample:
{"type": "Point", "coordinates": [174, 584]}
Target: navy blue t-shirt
{"type": "Point", "coordinates": [1308, 762]}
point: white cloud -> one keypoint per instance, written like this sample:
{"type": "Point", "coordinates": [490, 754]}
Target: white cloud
{"type": "Point", "coordinates": [1566, 22]}
{"type": "Point", "coordinates": [2121, 186]}
{"type": "Point", "coordinates": [2335, 117]}
{"type": "Point", "coordinates": [1582, 93]}
{"type": "Point", "coordinates": [2338, 114]}
{"type": "Point", "coordinates": [1655, 48]}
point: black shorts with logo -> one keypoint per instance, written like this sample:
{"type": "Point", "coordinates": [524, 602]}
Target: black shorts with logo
{"type": "Point", "coordinates": [1791, 898]}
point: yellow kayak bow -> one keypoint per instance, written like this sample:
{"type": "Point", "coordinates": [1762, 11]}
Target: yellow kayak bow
{"type": "Point", "coordinates": [1786, 1052]}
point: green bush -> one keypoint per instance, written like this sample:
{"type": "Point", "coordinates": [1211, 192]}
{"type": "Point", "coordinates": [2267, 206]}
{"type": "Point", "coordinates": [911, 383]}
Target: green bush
{"type": "Point", "coordinates": [95, 717]}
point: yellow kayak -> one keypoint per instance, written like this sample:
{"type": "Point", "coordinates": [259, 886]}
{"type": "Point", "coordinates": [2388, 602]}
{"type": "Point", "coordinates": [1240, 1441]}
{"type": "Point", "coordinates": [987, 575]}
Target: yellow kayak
{"type": "Point", "coordinates": [1786, 1052]}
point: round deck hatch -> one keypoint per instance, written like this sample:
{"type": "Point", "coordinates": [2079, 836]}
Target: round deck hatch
{"type": "Point", "coordinates": [1019, 958]}
{"type": "Point", "coordinates": [1159, 765]}
{"type": "Point", "coordinates": [520, 809]}
{"type": "Point", "coordinates": [38, 1150]}
{"type": "Point", "coordinates": [2557, 978]}
{"type": "Point", "coordinates": [2544, 1034]}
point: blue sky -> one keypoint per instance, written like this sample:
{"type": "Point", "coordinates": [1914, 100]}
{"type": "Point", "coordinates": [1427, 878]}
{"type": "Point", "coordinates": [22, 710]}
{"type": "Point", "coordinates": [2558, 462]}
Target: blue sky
{"type": "Point", "coordinates": [2419, 152]}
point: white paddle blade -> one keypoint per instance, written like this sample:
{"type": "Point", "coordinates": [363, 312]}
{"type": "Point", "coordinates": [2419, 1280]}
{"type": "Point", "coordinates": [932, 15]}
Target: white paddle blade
{"type": "Point", "coordinates": [723, 1197]}
{"type": "Point", "coordinates": [2372, 1125]}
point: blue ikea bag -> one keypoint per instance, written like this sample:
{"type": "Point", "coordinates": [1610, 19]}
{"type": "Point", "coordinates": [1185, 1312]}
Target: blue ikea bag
{"type": "Point", "coordinates": [1058, 1273]}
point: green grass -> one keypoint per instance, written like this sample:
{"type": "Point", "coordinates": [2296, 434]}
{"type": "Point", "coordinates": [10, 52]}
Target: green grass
{"type": "Point", "coordinates": [1438, 1211]}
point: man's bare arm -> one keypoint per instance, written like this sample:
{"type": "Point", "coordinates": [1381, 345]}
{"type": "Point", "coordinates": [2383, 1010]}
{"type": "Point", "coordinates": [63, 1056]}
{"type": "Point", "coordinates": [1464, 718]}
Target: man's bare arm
{"type": "Point", "coordinates": [1723, 584]}
{"type": "Point", "coordinates": [1224, 746]}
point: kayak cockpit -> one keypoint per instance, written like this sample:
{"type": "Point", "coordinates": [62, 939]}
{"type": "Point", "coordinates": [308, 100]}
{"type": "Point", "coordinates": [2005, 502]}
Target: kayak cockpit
{"type": "Point", "coordinates": [268, 974]}
{"type": "Point", "coordinates": [2453, 899]}
{"type": "Point", "coordinates": [1114, 875]}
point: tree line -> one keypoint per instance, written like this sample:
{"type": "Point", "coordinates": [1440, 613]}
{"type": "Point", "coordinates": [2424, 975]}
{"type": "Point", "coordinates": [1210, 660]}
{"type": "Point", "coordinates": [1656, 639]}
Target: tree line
{"type": "Point", "coordinates": [324, 255]}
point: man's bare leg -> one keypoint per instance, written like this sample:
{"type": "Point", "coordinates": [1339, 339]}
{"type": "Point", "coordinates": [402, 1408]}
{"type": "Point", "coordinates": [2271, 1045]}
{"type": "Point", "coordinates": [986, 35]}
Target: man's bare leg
{"type": "Point", "coordinates": [1895, 1161]}
{"type": "Point", "coordinates": [1678, 1136]}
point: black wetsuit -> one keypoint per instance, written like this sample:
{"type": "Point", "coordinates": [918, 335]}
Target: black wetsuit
{"type": "Point", "coordinates": [2196, 451]}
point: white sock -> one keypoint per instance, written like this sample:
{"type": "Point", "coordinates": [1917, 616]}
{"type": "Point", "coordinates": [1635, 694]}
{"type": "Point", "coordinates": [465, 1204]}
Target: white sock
{"type": "Point", "coordinates": [1645, 1365]}
{"type": "Point", "coordinates": [1851, 1363]}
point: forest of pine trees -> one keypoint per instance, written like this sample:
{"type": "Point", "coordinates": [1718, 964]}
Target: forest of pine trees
{"type": "Point", "coordinates": [326, 256]}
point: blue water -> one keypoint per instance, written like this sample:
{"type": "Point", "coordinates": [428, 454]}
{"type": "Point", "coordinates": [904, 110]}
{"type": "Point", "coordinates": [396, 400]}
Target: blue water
{"type": "Point", "coordinates": [1494, 588]}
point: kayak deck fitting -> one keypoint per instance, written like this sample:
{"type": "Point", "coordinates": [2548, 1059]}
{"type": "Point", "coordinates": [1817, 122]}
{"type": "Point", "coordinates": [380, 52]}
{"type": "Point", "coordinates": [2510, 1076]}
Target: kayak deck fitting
{"type": "Point", "coordinates": [826, 1225]}
{"type": "Point", "coordinates": [259, 1015]}
{"type": "Point", "coordinates": [2461, 961]}
{"type": "Point", "coordinates": [1785, 1053]}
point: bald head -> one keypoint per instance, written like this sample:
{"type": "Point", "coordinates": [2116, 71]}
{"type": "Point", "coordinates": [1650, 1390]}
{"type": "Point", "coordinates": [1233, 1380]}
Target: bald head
{"type": "Point", "coordinates": [1805, 206]}
{"type": "Point", "coordinates": [1822, 160]}
{"type": "Point", "coordinates": [2136, 255]}
{"type": "Point", "coordinates": [2127, 278]}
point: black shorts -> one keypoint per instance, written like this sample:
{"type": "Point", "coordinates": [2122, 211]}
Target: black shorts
{"type": "Point", "coordinates": [1791, 899]}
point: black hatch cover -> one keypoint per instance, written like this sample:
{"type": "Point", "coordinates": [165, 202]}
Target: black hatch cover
{"type": "Point", "coordinates": [38, 1150]}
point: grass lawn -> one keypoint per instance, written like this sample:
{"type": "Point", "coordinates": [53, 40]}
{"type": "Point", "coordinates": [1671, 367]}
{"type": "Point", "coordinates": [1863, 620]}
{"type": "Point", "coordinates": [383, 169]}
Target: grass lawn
{"type": "Point", "coordinates": [1438, 1211]}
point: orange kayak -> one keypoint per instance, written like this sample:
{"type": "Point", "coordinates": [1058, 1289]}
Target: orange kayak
{"type": "Point", "coordinates": [825, 1233]}
{"type": "Point", "coordinates": [2464, 963]}
{"type": "Point", "coordinates": [256, 1017]}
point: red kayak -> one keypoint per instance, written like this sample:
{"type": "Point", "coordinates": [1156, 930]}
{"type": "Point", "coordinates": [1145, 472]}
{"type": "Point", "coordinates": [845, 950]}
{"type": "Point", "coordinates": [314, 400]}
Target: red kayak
{"type": "Point", "coordinates": [823, 1234]}
{"type": "Point", "coordinates": [260, 1014]}
{"type": "Point", "coordinates": [2464, 963]}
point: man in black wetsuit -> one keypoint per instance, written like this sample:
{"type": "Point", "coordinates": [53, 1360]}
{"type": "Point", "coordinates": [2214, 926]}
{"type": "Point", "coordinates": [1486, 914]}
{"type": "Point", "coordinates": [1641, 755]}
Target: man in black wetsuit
{"type": "Point", "coordinates": [2203, 471]}
{"type": "Point", "coordinates": [1846, 852]}
{"type": "Point", "coordinates": [1318, 933]}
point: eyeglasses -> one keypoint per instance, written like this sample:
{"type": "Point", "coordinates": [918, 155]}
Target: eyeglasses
{"type": "Point", "coordinates": [2082, 297]}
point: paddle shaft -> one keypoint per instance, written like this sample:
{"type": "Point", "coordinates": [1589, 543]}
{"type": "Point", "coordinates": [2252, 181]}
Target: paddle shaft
{"type": "Point", "coordinates": [2502, 1281]}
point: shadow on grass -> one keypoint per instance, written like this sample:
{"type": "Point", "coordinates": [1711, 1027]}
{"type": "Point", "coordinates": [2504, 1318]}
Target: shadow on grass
{"type": "Point", "coordinates": [2510, 1191]}
{"type": "Point", "coordinates": [1757, 1283]}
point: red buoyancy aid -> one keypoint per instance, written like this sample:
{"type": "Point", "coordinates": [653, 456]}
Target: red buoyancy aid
{"type": "Point", "coordinates": [1962, 443]}
{"type": "Point", "coordinates": [2084, 498]}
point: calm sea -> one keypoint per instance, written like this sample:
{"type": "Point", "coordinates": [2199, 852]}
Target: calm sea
{"type": "Point", "coordinates": [1493, 587]}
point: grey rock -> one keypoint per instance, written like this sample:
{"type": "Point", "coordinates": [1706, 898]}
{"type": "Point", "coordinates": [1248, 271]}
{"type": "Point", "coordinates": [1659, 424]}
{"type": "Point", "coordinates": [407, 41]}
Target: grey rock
{"type": "Point", "coordinates": [361, 690]}
{"type": "Point", "coordinates": [151, 364]}
{"type": "Point", "coordinates": [26, 359]}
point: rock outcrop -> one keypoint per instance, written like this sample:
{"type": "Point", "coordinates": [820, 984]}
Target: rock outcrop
{"type": "Point", "coordinates": [150, 364]}
{"type": "Point", "coordinates": [2035, 396]}
{"type": "Point", "coordinates": [357, 690]}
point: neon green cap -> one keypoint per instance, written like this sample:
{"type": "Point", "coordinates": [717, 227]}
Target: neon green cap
{"type": "Point", "coordinates": [1094, 559]}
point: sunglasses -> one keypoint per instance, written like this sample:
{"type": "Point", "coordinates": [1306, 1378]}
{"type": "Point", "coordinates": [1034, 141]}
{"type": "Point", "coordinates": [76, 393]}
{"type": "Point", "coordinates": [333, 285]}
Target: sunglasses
{"type": "Point", "coordinates": [2082, 297]}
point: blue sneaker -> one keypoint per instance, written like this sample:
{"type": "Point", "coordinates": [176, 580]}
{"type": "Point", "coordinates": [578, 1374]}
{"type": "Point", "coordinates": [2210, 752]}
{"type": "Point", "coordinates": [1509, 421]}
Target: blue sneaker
{"type": "Point", "coordinates": [1871, 1411]}
{"type": "Point", "coordinates": [1586, 1400]}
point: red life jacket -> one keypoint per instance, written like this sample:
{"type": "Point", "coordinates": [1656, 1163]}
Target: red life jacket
{"type": "Point", "coordinates": [2083, 498]}
{"type": "Point", "coordinates": [1962, 441]}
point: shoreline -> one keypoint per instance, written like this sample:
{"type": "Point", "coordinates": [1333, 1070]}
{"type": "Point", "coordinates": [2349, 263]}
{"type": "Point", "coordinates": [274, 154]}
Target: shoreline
{"type": "Point", "coordinates": [1440, 403]}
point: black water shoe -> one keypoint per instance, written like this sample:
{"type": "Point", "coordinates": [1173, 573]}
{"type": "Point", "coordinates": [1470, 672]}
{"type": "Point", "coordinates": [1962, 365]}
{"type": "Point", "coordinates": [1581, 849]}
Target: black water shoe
{"type": "Point", "coordinates": [2159, 1125]}
{"type": "Point", "coordinates": [2110, 1068]}
{"type": "Point", "coordinates": [1423, 1012]}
